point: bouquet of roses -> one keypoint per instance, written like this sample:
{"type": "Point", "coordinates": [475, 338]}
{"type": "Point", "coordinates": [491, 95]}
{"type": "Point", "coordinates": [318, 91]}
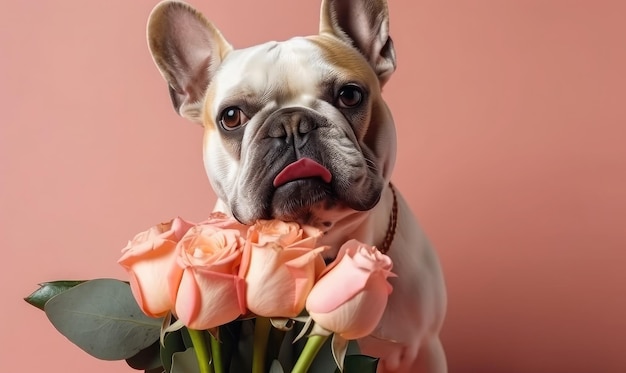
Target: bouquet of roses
{"type": "Point", "coordinates": [219, 296]}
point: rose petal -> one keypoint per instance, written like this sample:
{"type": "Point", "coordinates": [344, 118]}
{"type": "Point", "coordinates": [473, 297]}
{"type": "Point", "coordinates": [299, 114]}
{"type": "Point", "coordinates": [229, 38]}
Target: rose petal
{"type": "Point", "coordinates": [351, 280]}
{"type": "Point", "coordinates": [148, 278]}
{"type": "Point", "coordinates": [208, 299]}
{"type": "Point", "coordinates": [303, 271]}
{"type": "Point", "coordinates": [278, 280]}
{"type": "Point", "coordinates": [359, 316]}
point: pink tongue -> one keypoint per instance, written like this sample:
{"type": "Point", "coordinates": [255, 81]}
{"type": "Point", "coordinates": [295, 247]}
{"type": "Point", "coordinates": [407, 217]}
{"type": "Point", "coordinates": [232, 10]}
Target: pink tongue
{"type": "Point", "coordinates": [300, 169]}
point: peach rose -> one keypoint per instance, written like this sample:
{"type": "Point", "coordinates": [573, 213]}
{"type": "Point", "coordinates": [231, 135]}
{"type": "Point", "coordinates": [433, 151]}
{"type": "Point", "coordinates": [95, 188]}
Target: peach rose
{"type": "Point", "coordinates": [280, 265]}
{"type": "Point", "coordinates": [148, 258]}
{"type": "Point", "coordinates": [350, 298]}
{"type": "Point", "coordinates": [219, 219]}
{"type": "Point", "coordinates": [210, 292]}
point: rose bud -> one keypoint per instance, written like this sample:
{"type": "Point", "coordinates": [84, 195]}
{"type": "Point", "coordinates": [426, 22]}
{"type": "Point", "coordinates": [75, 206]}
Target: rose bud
{"type": "Point", "coordinates": [350, 297]}
{"type": "Point", "coordinates": [210, 293]}
{"type": "Point", "coordinates": [148, 258]}
{"type": "Point", "coordinates": [280, 265]}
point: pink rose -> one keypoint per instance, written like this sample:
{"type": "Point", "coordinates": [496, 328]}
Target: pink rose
{"type": "Point", "coordinates": [349, 299]}
{"type": "Point", "coordinates": [148, 258]}
{"type": "Point", "coordinates": [280, 265]}
{"type": "Point", "coordinates": [210, 292]}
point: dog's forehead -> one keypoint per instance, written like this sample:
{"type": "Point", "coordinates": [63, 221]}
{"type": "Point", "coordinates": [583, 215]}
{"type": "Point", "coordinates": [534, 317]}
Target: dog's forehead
{"type": "Point", "coordinates": [300, 66]}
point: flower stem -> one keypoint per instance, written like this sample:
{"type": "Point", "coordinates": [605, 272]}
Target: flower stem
{"type": "Point", "coordinates": [202, 352]}
{"type": "Point", "coordinates": [216, 353]}
{"type": "Point", "coordinates": [262, 327]}
{"type": "Point", "coordinates": [311, 348]}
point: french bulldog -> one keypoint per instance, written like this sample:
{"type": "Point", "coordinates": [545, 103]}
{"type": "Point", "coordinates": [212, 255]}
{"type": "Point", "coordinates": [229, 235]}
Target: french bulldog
{"type": "Point", "coordinates": [297, 130]}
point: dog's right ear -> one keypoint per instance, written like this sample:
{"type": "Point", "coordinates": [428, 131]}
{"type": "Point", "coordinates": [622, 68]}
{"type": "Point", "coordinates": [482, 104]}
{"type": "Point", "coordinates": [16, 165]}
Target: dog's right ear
{"type": "Point", "coordinates": [187, 49]}
{"type": "Point", "coordinates": [364, 24]}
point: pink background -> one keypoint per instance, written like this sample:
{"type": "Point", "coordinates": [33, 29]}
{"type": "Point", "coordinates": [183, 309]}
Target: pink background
{"type": "Point", "coordinates": [512, 129]}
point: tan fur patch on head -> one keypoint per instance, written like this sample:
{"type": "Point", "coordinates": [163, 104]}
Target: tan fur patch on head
{"type": "Point", "coordinates": [343, 56]}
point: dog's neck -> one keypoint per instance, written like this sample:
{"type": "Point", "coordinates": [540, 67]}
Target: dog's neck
{"type": "Point", "coordinates": [372, 227]}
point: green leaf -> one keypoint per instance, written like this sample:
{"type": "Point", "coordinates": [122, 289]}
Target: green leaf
{"type": "Point", "coordinates": [172, 343]}
{"type": "Point", "coordinates": [147, 359]}
{"type": "Point", "coordinates": [274, 343]}
{"type": "Point", "coordinates": [359, 364]}
{"type": "Point", "coordinates": [102, 318]}
{"type": "Point", "coordinates": [185, 362]}
{"type": "Point", "coordinates": [155, 370]}
{"type": "Point", "coordinates": [184, 332]}
{"type": "Point", "coordinates": [48, 290]}
{"type": "Point", "coordinates": [230, 335]}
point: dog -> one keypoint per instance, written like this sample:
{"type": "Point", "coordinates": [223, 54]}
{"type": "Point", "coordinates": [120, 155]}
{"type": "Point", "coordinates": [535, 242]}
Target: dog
{"type": "Point", "coordinates": [297, 130]}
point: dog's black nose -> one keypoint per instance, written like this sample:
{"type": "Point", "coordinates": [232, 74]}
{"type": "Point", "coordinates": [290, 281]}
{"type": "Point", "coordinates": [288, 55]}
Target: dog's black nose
{"type": "Point", "coordinates": [291, 123]}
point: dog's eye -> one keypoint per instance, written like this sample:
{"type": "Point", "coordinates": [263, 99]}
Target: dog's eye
{"type": "Point", "coordinates": [350, 96]}
{"type": "Point", "coordinates": [232, 117]}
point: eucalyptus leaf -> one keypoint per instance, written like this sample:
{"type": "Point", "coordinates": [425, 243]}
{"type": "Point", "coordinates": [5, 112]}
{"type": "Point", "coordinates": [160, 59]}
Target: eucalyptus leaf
{"type": "Point", "coordinates": [185, 362]}
{"type": "Point", "coordinates": [155, 370]}
{"type": "Point", "coordinates": [274, 343]}
{"type": "Point", "coordinates": [359, 364]}
{"type": "Point", "coordinates": [230, 335]}
{"type": "Point", "coordinates": [103, 319]}
{"type": "Point", "coordinates": [184, 332]}
{"type": "Point", "coordinates": [147, 359]}
{"type": "Point", "coordinates": [47, 290]}
{"type": "Point", "coordinates": [172, 343]}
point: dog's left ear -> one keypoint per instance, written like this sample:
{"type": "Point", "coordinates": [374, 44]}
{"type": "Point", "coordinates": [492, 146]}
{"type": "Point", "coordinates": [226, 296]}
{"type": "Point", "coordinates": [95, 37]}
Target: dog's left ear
{"type": "Point", "coordinates": [363, 24]}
